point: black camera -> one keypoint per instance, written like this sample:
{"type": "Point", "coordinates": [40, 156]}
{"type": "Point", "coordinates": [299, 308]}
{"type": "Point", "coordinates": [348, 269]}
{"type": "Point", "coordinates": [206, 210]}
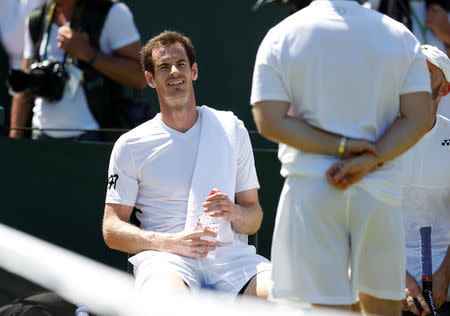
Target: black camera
{"type": "Point", "coordinates": [44, 79]}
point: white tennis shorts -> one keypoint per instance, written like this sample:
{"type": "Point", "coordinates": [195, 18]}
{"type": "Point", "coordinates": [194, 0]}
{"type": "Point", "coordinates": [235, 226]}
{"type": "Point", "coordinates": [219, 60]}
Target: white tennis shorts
{"type": "Point", "coordinates": [320, 232]}
{"type": "Point", "coordinates": [228, 268]}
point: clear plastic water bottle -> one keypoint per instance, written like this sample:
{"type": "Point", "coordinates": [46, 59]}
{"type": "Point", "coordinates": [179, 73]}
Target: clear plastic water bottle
{"type": "Point", "coordinates": [206, 221]}
{"type": "Point", "coordinates": [81, 311]}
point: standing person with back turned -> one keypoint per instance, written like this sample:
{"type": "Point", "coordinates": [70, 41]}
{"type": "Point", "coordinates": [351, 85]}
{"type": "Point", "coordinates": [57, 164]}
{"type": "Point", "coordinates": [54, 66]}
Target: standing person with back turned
{"type": "Point", "coordinates": [97, 67]}
{"type": "Point", "coordinates": [166, 168]}
{"type": "Point", "coordinates": [349, 73]}
{"type": "Point", "coordinates": [426, 196]}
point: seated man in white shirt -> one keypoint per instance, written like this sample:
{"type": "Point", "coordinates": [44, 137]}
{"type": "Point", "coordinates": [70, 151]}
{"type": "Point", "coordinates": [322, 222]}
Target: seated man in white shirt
{"type": "Point", "coordinates": [427, 197]}
{"type": "Point", "coordinates": [166, 168]}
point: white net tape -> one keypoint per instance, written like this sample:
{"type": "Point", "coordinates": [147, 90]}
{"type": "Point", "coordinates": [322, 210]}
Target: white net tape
{"type": "Point", "coordinates": [107, 291]}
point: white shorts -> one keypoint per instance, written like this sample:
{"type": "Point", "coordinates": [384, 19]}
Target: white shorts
{"type": "Point", "coordinates": [321, 231]}
{"type": "Point", "coordinates": [228, 268]}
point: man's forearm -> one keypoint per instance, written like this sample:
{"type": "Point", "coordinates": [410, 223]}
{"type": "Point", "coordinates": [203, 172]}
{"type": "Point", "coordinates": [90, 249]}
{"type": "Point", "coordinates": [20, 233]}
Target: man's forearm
{"type": "Point", "coordinates": [249, 220]}
{"type": "Point", "coordinates": [276, 124]}
{"type": "Point", "coordinates": [120, 69]}
{"type": "Point", "coordinates": [123, 236]}
{"type": "Point", "coordinates": [445, 35]}
{"type": "Point", "coordinates": [20, 113]}
{"type": "Point", "coordinates": [272, 123]}
{"type": "Point", "coordinates": [445, 265]}
{"type": "Point", "coordinates": [407, 128]}
{"type": "Point", "coordinates": [438, 22]}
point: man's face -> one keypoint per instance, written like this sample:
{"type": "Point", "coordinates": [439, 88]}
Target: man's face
{"type": "Point", "coordinates": [173, 75]}
{"type": "Point", "coordinates": [437, 80]}
{"type": "Point", "coordinates": [439, 85]}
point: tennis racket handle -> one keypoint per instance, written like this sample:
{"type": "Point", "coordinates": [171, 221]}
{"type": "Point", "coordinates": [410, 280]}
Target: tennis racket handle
{"type": "Point", "coordinates": [428, 295]}
{"type": "Point", "coordinates": [425, 251]}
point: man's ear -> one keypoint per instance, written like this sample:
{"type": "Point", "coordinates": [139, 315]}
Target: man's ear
{"type": "Point", "coordinates": [194, 71]}
{"type": "Point", "coordinates": [445, 89]}
{"type": "Point", "coordinates": [149, 77]}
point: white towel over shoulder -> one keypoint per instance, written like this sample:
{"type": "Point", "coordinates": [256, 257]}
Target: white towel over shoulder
{"type": "Point", "coordinates": [215, 167]}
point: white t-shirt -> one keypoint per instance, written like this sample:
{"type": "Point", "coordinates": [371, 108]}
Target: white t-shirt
{"type": "Point", "coordinates": [419, 8]}
{"type": "Point", "coordinates": [427, 195]}
{"type": "Point", "coordinates": [13, 14]}
{"type": "Point", "coordinates": [118, 31]}
{"type": "Point", "coordinates": [153, 166]}
{"type": "Point", "coordinates": [343, 68]}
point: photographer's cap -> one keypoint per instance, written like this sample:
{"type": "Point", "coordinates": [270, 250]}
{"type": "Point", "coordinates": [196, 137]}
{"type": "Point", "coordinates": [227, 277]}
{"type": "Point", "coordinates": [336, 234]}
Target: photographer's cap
{"type": "Point", "coordinates": [438, 58]}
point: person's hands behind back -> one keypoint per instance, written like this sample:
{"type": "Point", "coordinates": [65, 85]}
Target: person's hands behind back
{"type": "Point", "coordinates": [344, 173]}
{"type": "Point", "coordinates": [355, 147]}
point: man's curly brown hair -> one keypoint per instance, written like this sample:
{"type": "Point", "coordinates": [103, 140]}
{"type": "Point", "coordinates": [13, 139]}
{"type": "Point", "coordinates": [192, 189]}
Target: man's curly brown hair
{"type": "Point", "coordinates": [165, 38]}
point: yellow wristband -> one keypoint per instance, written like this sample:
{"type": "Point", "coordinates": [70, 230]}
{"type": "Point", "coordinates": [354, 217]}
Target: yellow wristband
{"type": "Point", "coordinates": [341, 148]}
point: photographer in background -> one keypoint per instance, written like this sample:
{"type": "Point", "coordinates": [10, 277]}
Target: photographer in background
{"type": "Point", "coordinates": [429, 20]}
{"type": "Point", "coordinates": [12, 23]}
{"type": "Point", "coordinates": [86, 47]}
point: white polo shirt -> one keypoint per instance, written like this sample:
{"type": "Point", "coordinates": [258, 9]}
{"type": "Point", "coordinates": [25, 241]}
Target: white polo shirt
{"type": "Point", "coordinates": [315, 59]}
{"type": "Point", "coordinates": [427, 196]}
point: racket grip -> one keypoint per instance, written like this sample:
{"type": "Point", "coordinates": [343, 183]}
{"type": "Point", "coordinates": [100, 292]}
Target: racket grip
{"type": "Point", "coordinates": [425, 251]}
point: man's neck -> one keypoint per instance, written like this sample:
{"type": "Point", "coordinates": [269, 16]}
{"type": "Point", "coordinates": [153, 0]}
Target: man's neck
{"type": "Point", "coordinates": [435, 107]}
{"type": "Point", "coordinates": [180, 119]}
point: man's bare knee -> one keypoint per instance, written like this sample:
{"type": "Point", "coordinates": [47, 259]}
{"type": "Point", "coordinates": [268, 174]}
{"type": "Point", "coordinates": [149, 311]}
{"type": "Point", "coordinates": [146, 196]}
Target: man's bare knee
{"type": "Point", "coordinates": [373, 305]}
{"type": "Point", "coordinates": [164, 282]}
{"type": "Point", "coordinates": [259, 285]}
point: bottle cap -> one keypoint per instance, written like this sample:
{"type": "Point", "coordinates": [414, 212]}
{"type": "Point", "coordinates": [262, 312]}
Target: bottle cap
{"type": "Point", "coordinates": [213, 191]}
